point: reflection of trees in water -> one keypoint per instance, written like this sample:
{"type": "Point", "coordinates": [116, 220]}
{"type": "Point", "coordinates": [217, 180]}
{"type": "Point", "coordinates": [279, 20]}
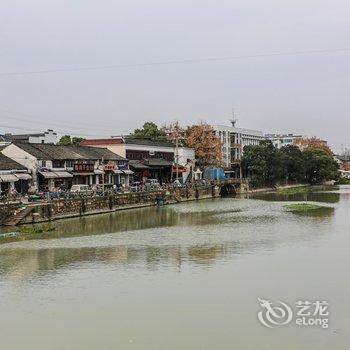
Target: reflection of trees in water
{"type": "Point", "coordinates": [325, 197]}
{"type": "Point", "coordinates": [122, 221]}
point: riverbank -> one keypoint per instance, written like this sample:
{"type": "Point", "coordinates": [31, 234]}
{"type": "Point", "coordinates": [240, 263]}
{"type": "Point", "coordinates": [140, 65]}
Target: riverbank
{"type": "Point", "coordinates": [16, 214]}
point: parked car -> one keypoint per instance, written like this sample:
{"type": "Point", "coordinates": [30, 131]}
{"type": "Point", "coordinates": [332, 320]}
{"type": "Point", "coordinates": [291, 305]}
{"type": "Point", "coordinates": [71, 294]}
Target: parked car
{"type": "Point", "coordinates": [152, 185]}
{"type": "Point", "coordinates": [82, 190]}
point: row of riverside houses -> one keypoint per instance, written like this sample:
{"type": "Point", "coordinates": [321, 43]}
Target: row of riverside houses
{"type": "Point", "coordinates": [151, 159]}
{"type": "Point", "coordinates": [54, 166]}
{"type": "Point", "coordinates": [116, 160]}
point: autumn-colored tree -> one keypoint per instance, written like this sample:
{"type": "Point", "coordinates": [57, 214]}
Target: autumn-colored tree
{"type": "Point", "coordinates": [175, 133]}
{"type": "Point", "coordinates": [312, 143]}
{"type": "Point", "coordinates": [207, 146]}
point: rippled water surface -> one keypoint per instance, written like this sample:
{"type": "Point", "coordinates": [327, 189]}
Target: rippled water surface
{"type": "Point", "coordinates": [185, 276]}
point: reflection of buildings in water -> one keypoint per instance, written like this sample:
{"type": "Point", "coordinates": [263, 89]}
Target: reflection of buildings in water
{"type": "Point", "coordinates": [118, 254]}
{"type": "Point", "coordinates": [24, 264]}
{"type": "Point", "coordinates": [205, 254]}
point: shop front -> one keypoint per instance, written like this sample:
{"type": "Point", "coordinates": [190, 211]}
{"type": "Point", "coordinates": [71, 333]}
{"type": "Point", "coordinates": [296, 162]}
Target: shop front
{"type": "Point", "coordinates": [84, 174]}
{"type": "Point", "coordinates": [50, 180]}
{"type": "Point", "coordinates": [7, 183]}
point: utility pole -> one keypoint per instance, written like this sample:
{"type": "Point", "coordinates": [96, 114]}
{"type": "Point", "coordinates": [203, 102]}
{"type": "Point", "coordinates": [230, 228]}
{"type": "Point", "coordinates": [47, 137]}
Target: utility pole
{"type": "Point", "coordinates": [177, 157]}
{"type": "Point", "coordinates": [175, 134]}
{"type": "Point", "coordinates": [103, 177]}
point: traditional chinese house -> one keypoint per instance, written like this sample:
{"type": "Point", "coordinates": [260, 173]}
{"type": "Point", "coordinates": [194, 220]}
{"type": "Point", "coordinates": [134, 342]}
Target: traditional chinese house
{"type": "Point", "coordinates": [56, 166]}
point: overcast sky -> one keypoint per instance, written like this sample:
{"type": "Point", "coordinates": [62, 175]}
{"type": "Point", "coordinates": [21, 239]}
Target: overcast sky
{"type": "Point", "coordinates": [302, 93]}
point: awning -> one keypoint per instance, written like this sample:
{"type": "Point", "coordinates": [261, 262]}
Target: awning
{"type": "Point", "coordinates": [55, 174]}
{"type": "Point", "coordinates": [98, 172]}
{"type": "Point", "coordinates": [83, 174]}
{"type": "Point", "coordinates": [63, 174]}
{"type": "Point", "coordinates": [117, 171]}
{"type": "Point", "coordinates": [23, 176]}
{"type": "Point", "coordinates": [8, 178]}
{"type": "Point", "coordinates": [48, 174]}
{"type": "Point", "coordinates": [128, 172]}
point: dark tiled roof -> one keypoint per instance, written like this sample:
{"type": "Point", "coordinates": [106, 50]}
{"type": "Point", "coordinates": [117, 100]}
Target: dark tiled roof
{"type": "Point", "coordinates": [100, 142]}
{"type": "Point", "coordinates": [58, 152]}
{"type": "Point", "coordinates": [147, 142]}
{"type": "Point", "coordinates": [9, 164]}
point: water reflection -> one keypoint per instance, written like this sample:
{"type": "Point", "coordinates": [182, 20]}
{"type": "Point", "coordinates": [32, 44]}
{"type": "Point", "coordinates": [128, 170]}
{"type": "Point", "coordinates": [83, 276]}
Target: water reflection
{"type": "Point", "coordinates": [311, 196]}
{"type": "Point", "coordinates": [200, 233]}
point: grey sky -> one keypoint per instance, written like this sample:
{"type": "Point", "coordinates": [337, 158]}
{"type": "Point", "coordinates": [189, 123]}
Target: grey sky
{"type": "Point", "coordinates": [305, 94]}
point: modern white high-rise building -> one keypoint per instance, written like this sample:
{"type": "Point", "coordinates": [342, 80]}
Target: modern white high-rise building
{"type": "Point", "coordinates": [233, 140]}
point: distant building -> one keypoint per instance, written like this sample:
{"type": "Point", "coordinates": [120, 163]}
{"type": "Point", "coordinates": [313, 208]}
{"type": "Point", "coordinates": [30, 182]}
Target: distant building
{"type": "Point", "coordinates": [233, 140]}
{"type": "Point", "coordinates": [281, 140]}
{"type": "Point", "coordinates": [47, 137]}
{"type": "Point", "coordinates": [148, 158]}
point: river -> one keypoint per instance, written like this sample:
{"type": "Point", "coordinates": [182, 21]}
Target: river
{"type": "Point", "coordinates": [185, 276]}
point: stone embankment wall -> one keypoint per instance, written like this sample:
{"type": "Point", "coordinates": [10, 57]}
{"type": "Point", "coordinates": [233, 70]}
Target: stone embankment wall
{"type": "Point", "coordinates": [65, 208]}
{"type": "Point", "coordinates": [7, 210]}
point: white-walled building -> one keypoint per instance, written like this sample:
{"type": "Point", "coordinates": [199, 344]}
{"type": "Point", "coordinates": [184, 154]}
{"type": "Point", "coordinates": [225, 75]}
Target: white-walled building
{"type": "Point", "coordinates": [233, 140]}
{"type": "Point", "coordinates": [46, 137]}
{"type": "Point", "coordinates": [281, 140]}
{"type": "Point", "coordinates": [150, 158]}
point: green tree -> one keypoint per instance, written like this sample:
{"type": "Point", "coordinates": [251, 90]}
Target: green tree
{"type": "Point", "coordinates": [76, 141]}
{"type": "Point", "coordinates": [319, 166]}
{"type": "Point", "coordinates": [262, 164]}
{"type": "Point", "coordinates": [65, 140]}
{"type": "Point", "coordinates": [292, 163]}
{"type": "Point", "coordinates": [149, 131]}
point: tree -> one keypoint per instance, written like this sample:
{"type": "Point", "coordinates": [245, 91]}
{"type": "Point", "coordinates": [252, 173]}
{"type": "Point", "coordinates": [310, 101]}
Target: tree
{"type": "Point", "coordinates": [207, 146]}
{"type": "Point", "coordinates": [67, 140]}
{"type": "Point", "coordinates": [319, 166]}
{"type": "Point", "coordinates": [263, 164]}
{"type": "Point", "coordinates": [292, 163]}
{"type": "Point", "coordinates": [149, 131]}
{"type": "Point", "coordinates": [314, 143]}
{"type": "Point", "coordinates": [175, 133]}
{"type": "Point", "coordinates": [76, 141]}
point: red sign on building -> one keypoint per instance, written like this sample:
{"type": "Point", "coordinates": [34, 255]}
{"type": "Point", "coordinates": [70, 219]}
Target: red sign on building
{"type": "Point", "coordinates": [83, 168]}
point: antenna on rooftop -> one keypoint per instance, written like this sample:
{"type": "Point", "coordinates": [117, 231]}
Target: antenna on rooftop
{"type": "Point", "coordinates": [234, 119]}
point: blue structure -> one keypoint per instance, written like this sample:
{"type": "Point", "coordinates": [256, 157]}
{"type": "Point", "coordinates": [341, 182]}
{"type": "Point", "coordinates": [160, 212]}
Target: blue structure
{"type": "Point", "coordinates": [213, 173]}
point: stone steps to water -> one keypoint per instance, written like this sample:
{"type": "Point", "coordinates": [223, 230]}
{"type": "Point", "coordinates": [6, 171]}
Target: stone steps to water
{"type": "Point", "coordinates": [16, 219]}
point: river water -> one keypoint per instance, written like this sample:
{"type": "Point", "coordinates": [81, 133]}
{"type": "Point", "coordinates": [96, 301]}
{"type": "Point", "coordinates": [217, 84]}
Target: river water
{"type": "Point", "coordinates": [186, 276]}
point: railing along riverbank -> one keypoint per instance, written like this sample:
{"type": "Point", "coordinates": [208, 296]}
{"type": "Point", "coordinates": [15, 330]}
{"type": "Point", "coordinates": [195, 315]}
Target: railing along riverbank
{"type": "Point", "coordinates": [18, 213]}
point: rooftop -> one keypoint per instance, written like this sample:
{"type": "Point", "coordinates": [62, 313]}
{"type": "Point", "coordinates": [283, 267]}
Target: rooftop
{"type": "Point", "coordinates": [58, 152]}
{"type": "Point", "coordinates": [126, 140]}
{"type": "Point", "coordinates": [238, 130]}
{"type": "Point", "coordinates": [9, 164]}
